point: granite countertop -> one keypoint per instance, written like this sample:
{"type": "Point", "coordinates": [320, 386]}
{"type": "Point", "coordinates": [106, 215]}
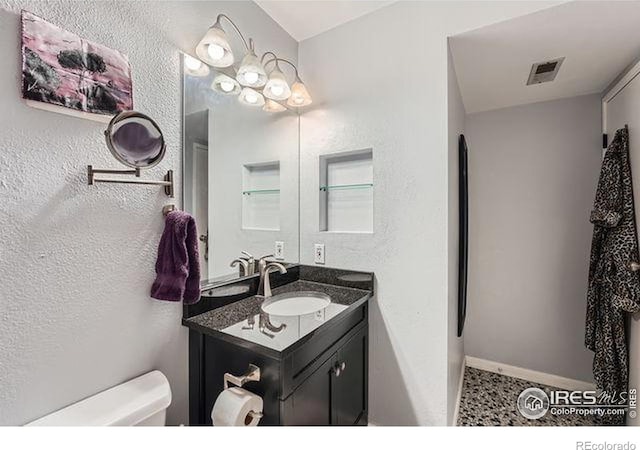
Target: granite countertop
{"type": "Point", "coordinates": [239, 319]}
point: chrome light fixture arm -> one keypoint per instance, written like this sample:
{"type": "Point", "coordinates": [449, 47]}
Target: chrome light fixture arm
{"type": "Point", "coordinates": [277, 60]}
{"type": "Point", "coordinates": [248, 46]}
{"type": "Point", "coordinates": [264, 55]}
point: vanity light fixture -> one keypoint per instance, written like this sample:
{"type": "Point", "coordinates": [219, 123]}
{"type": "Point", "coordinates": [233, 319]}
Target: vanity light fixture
{"type": "Point", "coordinates": [272, 106]}
{"type": "Point", "coordinates": [251, 81]}
{"type": "Point", "coordinates": [251, 73]}
{"type": "Point", "coordinates": [225, 85]}
{"type": "Point", "coordinates": [299, 95]}
{"type": "Point", "coordinates": [251, 97]}
{"type": "Point", "coordinates": [277, 87]}
{"type": "Point", "coordinates": [195, 67]}
{"type": "Point", "coordinates": [214, 48]}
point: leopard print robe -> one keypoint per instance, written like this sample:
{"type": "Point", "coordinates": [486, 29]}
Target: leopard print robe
{"type": "Point", "coordinates": [614, 290]}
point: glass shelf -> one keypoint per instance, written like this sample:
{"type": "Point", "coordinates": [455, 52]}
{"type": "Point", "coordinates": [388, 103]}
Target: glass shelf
{"type": "Point", "coordinates": [261, 191]}
{"type": "Point", "coordinates": [346, 186]}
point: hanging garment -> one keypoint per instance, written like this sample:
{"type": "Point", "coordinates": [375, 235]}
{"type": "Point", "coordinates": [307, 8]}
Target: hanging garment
{"type": "Point", "coordinates": [614, 289]}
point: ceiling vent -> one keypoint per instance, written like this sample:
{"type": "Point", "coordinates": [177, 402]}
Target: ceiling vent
{"type": "Point", "coordinates": [545, 71]}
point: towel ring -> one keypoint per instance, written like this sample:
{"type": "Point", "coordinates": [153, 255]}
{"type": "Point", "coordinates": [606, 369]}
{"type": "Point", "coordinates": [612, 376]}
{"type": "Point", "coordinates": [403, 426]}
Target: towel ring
{"type": "Point", "coordinates": [166, 209]}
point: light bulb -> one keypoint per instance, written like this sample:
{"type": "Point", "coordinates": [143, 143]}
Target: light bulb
{"type": "Point", "coordinates": [227, 86]}
{"type": "Point", "coordinates": [251, 77]}
{"type": "Point", "coordinates": [192, 63]}
{"type": "Point", "coordinates": [215, 51]}
{"type": "Point", "coordinates": [277, 90]}
{"type": "Point", "coordinates": [299, 95]}
{"type": "Point", "coordinates": [251, 97]}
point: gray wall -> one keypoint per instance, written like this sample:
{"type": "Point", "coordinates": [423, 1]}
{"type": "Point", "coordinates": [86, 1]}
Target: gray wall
{"type": "Point", "coordinates": [381, 82]}
{"type": "Point", "coordinates": [532, 176]}
{"type": "Point", "coordinates": [455, 344]}
{"type": "Point", "coordinates": [77, 261]}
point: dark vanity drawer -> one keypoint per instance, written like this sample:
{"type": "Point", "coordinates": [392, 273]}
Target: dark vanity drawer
{"type": "Point", "coordinates": [300, 364]}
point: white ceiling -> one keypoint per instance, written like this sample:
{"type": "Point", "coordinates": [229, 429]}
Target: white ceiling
{"type": "Point", "coordinates": [599, 40]}
{"type": "Point", "coordinates": [303, 19]}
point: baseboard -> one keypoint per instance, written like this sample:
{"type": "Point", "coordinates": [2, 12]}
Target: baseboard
{"type": "Point", "coordinates": [529, 375]}
{"type": "Point", "coordinates": [456, 411]}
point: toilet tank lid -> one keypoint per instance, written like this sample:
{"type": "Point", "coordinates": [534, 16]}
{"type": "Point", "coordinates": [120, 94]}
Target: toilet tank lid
{"type": "Point", "coordinates": [123, 405]}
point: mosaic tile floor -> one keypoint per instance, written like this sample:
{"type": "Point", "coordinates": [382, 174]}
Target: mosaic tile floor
{"type": "Point", "coordinates": [489, 399]}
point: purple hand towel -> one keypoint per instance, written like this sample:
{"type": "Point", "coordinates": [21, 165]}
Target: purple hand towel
{"type": "Point", "coordinates": [178, 264]}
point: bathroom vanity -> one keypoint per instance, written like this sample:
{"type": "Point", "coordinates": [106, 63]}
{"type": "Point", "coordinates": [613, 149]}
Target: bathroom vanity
{"type": "Point", "coordinates": [313, 366]}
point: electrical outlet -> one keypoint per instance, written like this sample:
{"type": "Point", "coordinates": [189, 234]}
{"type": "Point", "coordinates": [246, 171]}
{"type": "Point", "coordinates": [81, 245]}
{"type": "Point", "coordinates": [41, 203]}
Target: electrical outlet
{"type": "Point", "coordinates": [319, 254]}
{"type": "Point", "coordinates": [279, 250]}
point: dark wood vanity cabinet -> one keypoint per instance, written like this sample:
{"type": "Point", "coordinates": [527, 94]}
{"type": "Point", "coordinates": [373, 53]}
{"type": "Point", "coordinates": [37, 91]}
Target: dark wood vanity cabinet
{"type": "Point", "coordinates": [335, 393]}
{"type": "Point", "coordinates": [322, 381]}
{"type": "Point", "coordinates": [350, 389]}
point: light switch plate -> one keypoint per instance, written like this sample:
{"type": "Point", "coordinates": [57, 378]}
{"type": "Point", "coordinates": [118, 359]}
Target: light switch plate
{"type": "Point", "coordinates": [318, 257]}
{"type": "Point", "coordinates": [278, 252]}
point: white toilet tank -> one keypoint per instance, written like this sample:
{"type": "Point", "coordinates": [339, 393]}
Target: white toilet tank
{"type": "Point", "coordinates": [142, 401]}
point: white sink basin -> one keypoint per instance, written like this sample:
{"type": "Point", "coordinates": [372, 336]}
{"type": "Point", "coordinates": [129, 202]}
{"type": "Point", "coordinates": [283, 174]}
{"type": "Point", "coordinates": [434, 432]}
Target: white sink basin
{"type": "Point", "coordinates": [295, 303]}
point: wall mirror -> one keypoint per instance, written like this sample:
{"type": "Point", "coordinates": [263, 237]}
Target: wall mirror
{"type": "Point", "coordinates": [240, 176]}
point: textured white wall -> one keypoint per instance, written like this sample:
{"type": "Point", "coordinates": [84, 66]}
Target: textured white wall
{"type": "Point", "coordinates": [533, 170]}
{"type": "Point", "coordinates": [77, 261]}
{"type": "Point", "coordinates": [455, 345]}
{"type": "Point", "coordinates": [381, 82]}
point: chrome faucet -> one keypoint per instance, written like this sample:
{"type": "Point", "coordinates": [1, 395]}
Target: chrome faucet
{"type": "Point", "coordinates": [243, 270]}
{"type": "Point", "coordinates": [262, 263]}
{"type": "Point", "coordinates": [265, 324]}
{"type": "Point", "coordinates": [251, 262]}
{"type": "Point", "coordinates": [247, 264]}
{"type": "Point", "coordinates": [266, 267]}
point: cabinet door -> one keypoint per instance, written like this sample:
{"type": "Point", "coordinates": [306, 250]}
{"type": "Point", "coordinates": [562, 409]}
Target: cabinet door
{"type": "Point", "coordinates": [310, 403]}
{"type": "Point", "coordinates": [349, 393]}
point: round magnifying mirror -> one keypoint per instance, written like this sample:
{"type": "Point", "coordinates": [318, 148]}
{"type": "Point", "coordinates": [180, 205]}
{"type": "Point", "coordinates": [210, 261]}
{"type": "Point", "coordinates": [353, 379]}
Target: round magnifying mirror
{"type": "Point", "coordinates": [135, 140]}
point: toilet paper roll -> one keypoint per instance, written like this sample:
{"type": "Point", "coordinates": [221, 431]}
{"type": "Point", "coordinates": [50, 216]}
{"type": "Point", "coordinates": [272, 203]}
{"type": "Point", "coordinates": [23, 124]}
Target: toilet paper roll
{"type": "Point", "coordinates": [233, 406]}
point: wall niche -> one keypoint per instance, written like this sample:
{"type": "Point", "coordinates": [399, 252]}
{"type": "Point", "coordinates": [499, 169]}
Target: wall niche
{"type": "Point", "coordinates": [346, 192]}
{"type": "Point", "coordinates": [261, 196]}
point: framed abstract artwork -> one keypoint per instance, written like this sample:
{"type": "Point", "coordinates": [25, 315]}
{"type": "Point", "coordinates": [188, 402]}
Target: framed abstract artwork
{"type": "Point", "coordinates": [65, 73]}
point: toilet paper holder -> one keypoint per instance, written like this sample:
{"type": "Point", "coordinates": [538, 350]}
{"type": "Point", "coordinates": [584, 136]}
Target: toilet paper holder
{"type": "Point", "coordinates": [252, 374]}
